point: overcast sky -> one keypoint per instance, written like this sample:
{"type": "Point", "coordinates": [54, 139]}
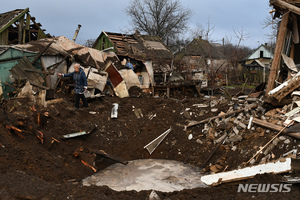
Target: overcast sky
{"type": "Point", "coordinates": [60, 18]}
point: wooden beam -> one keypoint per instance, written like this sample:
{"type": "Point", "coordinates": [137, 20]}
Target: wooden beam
{"type": "Point", "coordinates": [14, 20]}
{"type": "Point", "coordinates": [20, 30]}
{"type": "Point", "coordinates": [274, 127]}
{"type": "Point", "coordinates": [288, 87]}
{"type": "Point", "coordinates": [277, 53]}
{"type": "Point", "coordinates": [41, 52]}
{"type": "Point", "coordinates": [285, 5]}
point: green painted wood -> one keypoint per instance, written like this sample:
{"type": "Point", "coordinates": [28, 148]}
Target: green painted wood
{"type": "Point", "coordinates": [8, 60]}
{"type": "Point", "coordinates": [4, 37]}
{"type": "Point", "coordinates": [41, 34]}
{"type": "Point", "coordinates": [103, 42]}
{"type": "Point", "coordinates": [15, 54]}
{"type": "Point", "coordinates": [4, 76]}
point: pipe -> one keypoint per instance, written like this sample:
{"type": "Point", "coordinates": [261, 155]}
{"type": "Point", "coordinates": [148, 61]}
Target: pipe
{"type": "Point", "coordinates": [76, 33]}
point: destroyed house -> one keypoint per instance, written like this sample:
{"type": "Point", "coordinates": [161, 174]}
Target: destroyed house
{"type": "Point", "coordinates": [39, 61]}
{"type": "Point", "coordinates": [149, 58]}
{"type": "Point", "coordinates": [19, 27]}
{"type": "Point", "coordinates": [256, 65]}
{"type": "Point", "coordinates": [198, 58]}
{"type": "Point", "coordinates": [284, 71]}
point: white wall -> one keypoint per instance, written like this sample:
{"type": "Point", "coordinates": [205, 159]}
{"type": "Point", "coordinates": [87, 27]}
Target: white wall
{"type": "Point", "coordinates": [62, 68]}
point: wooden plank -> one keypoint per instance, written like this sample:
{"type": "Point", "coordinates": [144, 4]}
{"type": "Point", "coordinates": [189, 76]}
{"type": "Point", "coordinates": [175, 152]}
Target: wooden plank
{"type": "Point", "coordinates": [275, 127]}
{"type": "Point", "coordinates": [38, 71]}
{"type": "Point", "coordinates": [27, 25]}
{"type": "Point", "coordinates": [17, 72]}
{"type": "Point", "coordinates": [41, 52]}
{"type": "Point", "coordinates": [286, 88]}
{"type": "Point", "coordinates": [35, 74]}
{"type": "Point", "coordinates": [285, 5]}
{"type": "Point", "coordinates": [267, 124]}
{"type": "Point", "coordinates": [33, 77]}
{"type": "Point", "coordinates": [280, 166]}
{"type": "Point", "coordinates": [277, 53]}
{"type": "Point", "coordinates": [20, 30]}
{"type": "Point", "coordinates": [295, 30]}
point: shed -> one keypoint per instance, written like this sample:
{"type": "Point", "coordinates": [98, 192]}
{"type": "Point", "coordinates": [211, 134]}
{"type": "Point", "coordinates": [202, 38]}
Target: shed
{"type": "Point", "coordinates": [148, 55]}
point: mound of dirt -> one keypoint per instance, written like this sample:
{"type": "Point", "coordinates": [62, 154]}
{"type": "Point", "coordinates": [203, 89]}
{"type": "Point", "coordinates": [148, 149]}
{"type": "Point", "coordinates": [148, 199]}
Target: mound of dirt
{"type": "Point", "coordinates": [37, 162]}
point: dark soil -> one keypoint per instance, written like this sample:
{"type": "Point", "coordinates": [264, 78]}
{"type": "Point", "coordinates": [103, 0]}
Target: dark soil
{"type": "Point", "coordinates": [38, 164]}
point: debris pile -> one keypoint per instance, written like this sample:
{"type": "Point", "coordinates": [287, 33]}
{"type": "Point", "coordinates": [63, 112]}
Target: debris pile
{"type": "Point", "coordinates": [247, 119]}
{"type": "Point", "coordinates": [210, 132]}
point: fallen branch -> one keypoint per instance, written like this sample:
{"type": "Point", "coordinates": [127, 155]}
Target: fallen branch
{"type": "Point", "coordinates": [17, 131]}
{"type": "Point", "coordinates": [40, 136]}
{"type": "Point", "coordinates": [86, 164]}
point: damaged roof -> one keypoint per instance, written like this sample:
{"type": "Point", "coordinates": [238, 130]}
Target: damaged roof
{"type": "Point", "coordinates": [10, 17]}
{"type": "Point", "coordinates": [12, 33]}
{"type": "Point", "coordinates": [63, 46]}
{"type": "Point", "coordinates": [200, 47]}
{"type": "Point", "coordinates": [136, 46]}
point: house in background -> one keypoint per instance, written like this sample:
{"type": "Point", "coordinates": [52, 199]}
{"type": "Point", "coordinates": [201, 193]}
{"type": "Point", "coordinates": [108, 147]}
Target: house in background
{"type": "Point", "coordinates": [19, 27]}
{"type": "Point", "coordinates": [256, 66]}
{"type": "Point", "coordinates": [146, 56]}
{"type": "Point", "coordinates": [198, 59]}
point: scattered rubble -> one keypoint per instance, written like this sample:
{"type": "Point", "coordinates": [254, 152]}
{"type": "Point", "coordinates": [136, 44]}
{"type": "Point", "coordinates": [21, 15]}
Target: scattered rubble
{"type": "Point", "coordinates": [230, 136]}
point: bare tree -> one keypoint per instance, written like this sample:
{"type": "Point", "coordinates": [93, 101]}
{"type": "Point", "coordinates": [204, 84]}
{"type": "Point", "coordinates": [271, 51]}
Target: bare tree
{"type": "Point", "coordinates": [87, 43]}
{"type": "Point", "coordinates": [235, 53]}
{"type": "Point", "coordinates": [204, 32]}
{"type": "Point", "coordinates": [163, 18]}
{"type": "Point", "coordinates": [272, 24]}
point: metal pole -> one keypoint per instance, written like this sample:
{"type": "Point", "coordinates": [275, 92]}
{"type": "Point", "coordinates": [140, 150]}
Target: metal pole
{"type": "Point", "coordinates": [76, 33]}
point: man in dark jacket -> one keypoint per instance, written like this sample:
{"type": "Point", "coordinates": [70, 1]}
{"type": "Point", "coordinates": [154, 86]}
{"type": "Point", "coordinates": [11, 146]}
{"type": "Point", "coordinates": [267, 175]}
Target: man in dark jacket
{"type": "Point", "coordinates": [80, 86]}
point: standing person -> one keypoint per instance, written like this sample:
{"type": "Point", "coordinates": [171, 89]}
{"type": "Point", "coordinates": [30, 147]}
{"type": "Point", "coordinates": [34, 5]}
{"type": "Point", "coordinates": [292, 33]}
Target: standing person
{"type": "Point", "coordinates": [80, 86]}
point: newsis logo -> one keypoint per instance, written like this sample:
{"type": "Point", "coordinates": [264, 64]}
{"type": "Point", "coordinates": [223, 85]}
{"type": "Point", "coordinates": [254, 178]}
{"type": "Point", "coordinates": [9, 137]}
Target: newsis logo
{"type": "Point", "coordinates": [259, 188]}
